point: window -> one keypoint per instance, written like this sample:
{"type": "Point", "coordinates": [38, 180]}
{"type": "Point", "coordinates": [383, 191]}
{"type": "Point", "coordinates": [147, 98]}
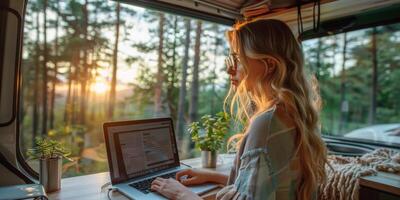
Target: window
{"type": "Point", "coordinates": [88, 62]}
{"type": "Point", "coordinates": [358, 74]}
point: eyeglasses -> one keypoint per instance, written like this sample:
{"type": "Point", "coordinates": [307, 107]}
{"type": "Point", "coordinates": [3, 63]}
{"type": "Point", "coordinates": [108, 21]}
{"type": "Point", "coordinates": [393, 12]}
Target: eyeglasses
{"type": "Point", "coordinates": [231, 63]}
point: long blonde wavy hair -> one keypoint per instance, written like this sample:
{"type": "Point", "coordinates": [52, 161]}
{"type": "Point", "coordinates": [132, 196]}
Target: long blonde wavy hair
{"type": "Point", "coordinates": [273, 43]}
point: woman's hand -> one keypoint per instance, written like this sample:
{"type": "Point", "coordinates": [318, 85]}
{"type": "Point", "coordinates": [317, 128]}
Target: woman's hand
{"type": "Point", "coordinates": [193, 176]}
{"type": "Point", "coordinates": [172, 189]}
{"type": "Point", "coordinates": [197, 177]}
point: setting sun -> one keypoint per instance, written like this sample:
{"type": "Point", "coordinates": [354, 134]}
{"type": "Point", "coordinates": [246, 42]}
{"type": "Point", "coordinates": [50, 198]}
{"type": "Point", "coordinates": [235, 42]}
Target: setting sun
{"type": "Point", "coordinates": [99, 87]}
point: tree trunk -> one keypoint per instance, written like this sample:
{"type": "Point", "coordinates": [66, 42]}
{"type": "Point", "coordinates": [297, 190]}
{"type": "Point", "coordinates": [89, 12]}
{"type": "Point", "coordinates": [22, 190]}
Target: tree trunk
{"type": "Point", "coordinates": [93, 107]}
{"type": "Point", "coordinates": [332, 117]}
{"type": "Point", "coordinates": [83, 99]}
{"type": "Point", "coordinates": [74, 85]}
{"type": "Point", "coordinates": [343, 101]}
{"type": "Point", "coordinates": [54, 80]}
{"type": "Point", "coordinates": [35, 117]}
{"type": "Point", "coordinates": [74, 119]}
{"type": "Point", "coordinates": [67, 110]}
{"type": "Point", "coordinates": [214, 73]}
{"type": "Point", "coordinates": [111, 103]}
{"type": "Point", "coordinates": [45, 58]}
{"type": "Point", "coordinates": [171, 84]}
{"type": "Point", "coordinates": [160, 75]}
{"type": "Point", "coordinates": [182, 90]}
{"type": "Point", "coordinates": [195, 82]}
{"type": "Point", "coordinates": [374, 88]}
{"type": "Point", "coordinates": [318, 66]}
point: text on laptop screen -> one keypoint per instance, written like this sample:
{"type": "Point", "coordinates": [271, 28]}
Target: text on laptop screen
{"type": "Point", "coordinates": [139, 149]}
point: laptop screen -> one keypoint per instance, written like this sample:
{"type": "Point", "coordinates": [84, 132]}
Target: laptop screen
{"type": "Point", "coordinates": [136, 148]}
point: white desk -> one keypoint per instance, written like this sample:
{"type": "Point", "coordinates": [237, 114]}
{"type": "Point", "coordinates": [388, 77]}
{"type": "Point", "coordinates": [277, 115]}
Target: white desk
{"type": "Point", "coordinates": [88, 187]}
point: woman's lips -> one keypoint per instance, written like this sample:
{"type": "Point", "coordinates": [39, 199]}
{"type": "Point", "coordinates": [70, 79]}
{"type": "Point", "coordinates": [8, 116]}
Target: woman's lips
{"type": "Point", "coordinates": [234, 82]}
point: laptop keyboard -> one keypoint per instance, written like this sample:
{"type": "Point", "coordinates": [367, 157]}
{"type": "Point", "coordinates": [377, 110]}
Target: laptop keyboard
{"type": "Point", "coordinates": [144, 186]}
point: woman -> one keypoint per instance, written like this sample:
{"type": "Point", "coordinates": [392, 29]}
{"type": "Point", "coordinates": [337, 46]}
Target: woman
{"type": "Point", "coordinates": [281, 155]}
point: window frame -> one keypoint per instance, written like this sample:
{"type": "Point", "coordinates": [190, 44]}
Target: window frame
{"type": "Point", "coordinates": [381, 16]}
{"type": "Point", "coordinates": [203, 16]}
{"type": "Point", "coordinates": [17, 65]}
{"type": "Point", "coordinates": [17, 90]}
{"type": "Point", "coordinates": [180, 10]}
{"type": "Point", "coordinates": [2, 46]}
{"type": "Point", "coordinates": [361, 141]}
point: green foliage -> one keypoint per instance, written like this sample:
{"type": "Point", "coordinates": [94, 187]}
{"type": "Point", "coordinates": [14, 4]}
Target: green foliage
{"type": "Point", "coordinates": [208, 134]}
{"type": "Point", "coordinates": [67, 130]}
{"type": "Point", "coordinates": [353, 82]}
{"type": "Point", "coordinates": [72, 136]}
{"type": "Point", "coordinates": [81, 39]}
{"type": "Point", "coordinates": [47, 149]}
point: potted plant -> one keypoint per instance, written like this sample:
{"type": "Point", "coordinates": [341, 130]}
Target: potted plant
{"type": "Point", "coordinates": [208, 135]}
{"type": "Point", "coordinates": [50, 154]}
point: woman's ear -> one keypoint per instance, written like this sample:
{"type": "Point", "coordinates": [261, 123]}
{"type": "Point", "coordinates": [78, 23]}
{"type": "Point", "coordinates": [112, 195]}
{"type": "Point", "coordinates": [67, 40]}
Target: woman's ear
{"type": "Point", "coordinates": [271, 66]}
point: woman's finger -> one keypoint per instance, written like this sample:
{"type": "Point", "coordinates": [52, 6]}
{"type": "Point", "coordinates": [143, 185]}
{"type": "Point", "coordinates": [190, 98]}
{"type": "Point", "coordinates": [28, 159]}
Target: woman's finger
{"type": "Point", "coordinates": [159, 179]}
{"type": "Point", "coordinates": [185, 172]}
{"type": "Point", "coordinates": [156, 188]}
{"type": "Point", "coordinates": [191, 181]}
{"type": "Point", "coordinates": [157, 182]}
{"type": "Point", "coordinates": [163, 190]}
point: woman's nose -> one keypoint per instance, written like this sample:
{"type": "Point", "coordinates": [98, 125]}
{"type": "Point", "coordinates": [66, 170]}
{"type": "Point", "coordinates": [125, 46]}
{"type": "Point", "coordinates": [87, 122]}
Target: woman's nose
{"type": "Point", "coordinates": [231, 71]}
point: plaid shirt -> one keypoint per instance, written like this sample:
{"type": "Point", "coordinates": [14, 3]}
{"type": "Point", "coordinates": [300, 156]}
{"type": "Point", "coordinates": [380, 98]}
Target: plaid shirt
{"type": "Point", "coordinates": [266, 165]}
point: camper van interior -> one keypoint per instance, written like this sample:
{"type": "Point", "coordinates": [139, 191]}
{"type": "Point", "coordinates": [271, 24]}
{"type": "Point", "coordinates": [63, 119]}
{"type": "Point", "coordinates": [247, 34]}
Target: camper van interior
{"type": "Point", "coordinates": [79, 77]}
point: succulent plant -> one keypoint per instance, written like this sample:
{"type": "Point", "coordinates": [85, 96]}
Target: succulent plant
{"type": "Point", "coordinates": [47, 149]}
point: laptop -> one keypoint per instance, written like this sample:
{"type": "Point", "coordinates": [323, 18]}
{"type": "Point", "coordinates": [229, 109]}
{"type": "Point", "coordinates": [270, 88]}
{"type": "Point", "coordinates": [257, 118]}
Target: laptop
{"type": "Point", "coordinates": [138, 151]}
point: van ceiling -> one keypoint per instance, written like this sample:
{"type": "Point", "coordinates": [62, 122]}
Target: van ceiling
{"type": "Point", "coordinates": [220, 11]}
{"type": "Point", "coordinates": [228, 11]}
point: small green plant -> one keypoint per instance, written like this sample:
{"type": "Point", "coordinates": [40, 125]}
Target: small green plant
{"type": "Point", "coordinates": [208, 134]}
{"type": "Point", "coordinates": [47, 149]}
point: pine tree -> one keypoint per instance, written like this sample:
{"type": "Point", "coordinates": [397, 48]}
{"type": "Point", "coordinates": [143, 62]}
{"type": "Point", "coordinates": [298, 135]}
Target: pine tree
{"type": "Point", "coordinates": [343, 102]}
{"type": "Point", "coordinates": [44, 71]}
{"type": "Point", "coordinates": [374, 88]}
{"type": "Point", "coordinates": [193, 109]}
{"type": "Point", "coordinates": [111, 104]}
{"type": "Point", "coordinates": [85, 67]}
{"type": "Point", "coordinates": [182, 90]}
{"type": "Point", "coordinates": [55, 71]}
{"type": "Point", "coordinates": [160, 74]}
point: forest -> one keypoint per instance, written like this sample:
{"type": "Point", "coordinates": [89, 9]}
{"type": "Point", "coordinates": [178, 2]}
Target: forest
{"type": "Point", "coordinates": [86, 62]}
{"type": "Point", "coordinates": [357, 73]}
